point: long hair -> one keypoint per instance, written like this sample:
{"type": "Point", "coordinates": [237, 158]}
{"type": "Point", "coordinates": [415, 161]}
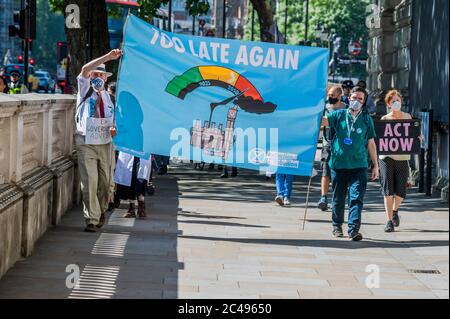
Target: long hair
{"type": "Point", "coordinates": [6, 89]}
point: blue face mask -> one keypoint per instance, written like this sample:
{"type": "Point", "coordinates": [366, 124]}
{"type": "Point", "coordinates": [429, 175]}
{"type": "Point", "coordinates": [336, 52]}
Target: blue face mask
{"type": "Point", "coordinates": [97, 84]}
{"type": "Point", "coordinates": [355, 105]}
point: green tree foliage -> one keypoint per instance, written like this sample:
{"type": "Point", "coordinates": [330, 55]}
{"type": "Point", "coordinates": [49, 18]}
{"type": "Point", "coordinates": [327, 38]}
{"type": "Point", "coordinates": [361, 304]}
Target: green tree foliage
{"type": "Point", "coordinates": [345, 18]}
{"type": "Point", "coordinates": [77, 38]}
{"type": "Point", "coordinates": [50, 30]}
{"type": "Point", "coordinates": [148, 8]}
{"type": "Point", "coordinates": [342, 18]}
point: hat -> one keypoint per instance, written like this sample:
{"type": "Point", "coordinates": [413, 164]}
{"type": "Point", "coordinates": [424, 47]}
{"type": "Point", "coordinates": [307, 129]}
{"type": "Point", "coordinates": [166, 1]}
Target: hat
{"type": "Point", "coordinates": [348, 84]}
{"type": "Point", "coordinates": [101, 68]}
{"type": "Point", "coordinates": [15, 73]}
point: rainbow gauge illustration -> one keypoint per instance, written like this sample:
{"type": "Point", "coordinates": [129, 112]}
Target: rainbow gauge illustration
{"type": "Point", "coordinates": [218, 140]}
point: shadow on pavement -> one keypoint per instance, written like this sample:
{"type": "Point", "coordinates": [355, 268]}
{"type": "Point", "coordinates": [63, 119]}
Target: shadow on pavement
{"type": "Point", "coordinates": [337, 243]}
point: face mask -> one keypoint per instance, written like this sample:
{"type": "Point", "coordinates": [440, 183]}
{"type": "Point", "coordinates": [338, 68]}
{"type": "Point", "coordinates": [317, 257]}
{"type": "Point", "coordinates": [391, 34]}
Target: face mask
{"type": "Point", "coordinates": [333, 100]}
{"type": "Point", "coordinates": [355, 105]}
{"type": "Point", "coordinates": [97, 84]}
{"type": "Point", "coordinates": [396, 106]}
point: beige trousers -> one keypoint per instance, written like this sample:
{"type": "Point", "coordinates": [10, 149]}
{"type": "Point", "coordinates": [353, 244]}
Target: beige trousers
{"type": "Point", "coordinates": [95, 169]}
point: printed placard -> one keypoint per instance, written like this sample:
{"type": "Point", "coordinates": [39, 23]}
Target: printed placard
{"type": "Point", "coordinates": [97, 130]}
{"type": "Point", "coordinates": [397, 137]}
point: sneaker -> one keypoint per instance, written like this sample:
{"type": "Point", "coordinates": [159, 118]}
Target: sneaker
{"type": "Point", "coordinates": [323, 203]}
{"type": "Point", "coordinates": [224, 175]}
{"type": "Point", "coordinates": [355, 237]}
{"type": "Point", "coordinates": [396, 218]}
{"type": "Point", "coordinates": [389, 227]}
{"type": "Point", "coordinates": [279, 200]}
{"type": "Point", "coordinates": [286, 201]}
{"type": "Point", "coordinates": [90, 228]}
{"type": "Point", "coordinates": [337, 231]}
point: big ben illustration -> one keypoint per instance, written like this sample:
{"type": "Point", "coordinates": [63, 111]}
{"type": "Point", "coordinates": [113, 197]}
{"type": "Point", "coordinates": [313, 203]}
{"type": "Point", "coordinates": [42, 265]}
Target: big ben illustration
{"type": "Point", "coordinates": [229, 131]}
{"type": "Point", "coordinates": [214, 140]}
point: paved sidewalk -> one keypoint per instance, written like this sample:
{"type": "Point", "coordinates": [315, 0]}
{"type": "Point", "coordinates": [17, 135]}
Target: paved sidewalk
{"type": "Point", "coordinates": [206, 237]}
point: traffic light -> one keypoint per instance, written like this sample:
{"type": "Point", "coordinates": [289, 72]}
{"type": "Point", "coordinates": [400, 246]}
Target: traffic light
{"type": "Point", "coordinates": [20, 59]}
{"type": "Point", "coordinates": [14, 29]}
{"type": "Point", "coordinates": [29, 19]}
{"type": "Point", "coordinates": [24, 25]}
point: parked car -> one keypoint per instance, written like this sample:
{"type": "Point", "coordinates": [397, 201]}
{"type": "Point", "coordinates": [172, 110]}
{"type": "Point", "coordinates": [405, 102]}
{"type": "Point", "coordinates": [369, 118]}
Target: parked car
{"type": "Point", "coordinates": [33, 81]}
{"type": "Point", "coordinates": [46, 82]}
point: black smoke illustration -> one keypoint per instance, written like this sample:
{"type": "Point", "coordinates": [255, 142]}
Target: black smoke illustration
{"type": "Point", "coordinates": [249, 104]}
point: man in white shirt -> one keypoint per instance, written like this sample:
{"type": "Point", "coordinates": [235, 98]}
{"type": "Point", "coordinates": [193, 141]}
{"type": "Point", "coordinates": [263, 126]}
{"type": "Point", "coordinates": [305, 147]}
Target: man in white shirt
{"type": "Point", "coordinates": [94, 117]}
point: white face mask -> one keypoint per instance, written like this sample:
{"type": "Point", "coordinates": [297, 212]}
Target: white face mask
{"type": "Point", "coordinates": [396, 106]}
{"type": "Point", "coordinates": [355, 105]}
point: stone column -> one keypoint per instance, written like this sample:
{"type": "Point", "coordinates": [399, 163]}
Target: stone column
{"type": "Point", "coordinates": [381, 65]}
{"type": "Point", "coordinates": [402, 41]}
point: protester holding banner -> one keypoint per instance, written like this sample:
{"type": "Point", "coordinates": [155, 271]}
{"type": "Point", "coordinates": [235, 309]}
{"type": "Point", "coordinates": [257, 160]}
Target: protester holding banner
{"type": "Point", "coordinates": [94, 129]}
{"type": "Point", "coordinates": [394, 169]}
{"type": "Point", "coordinates": [284, 189]}
{"type": "Point", "coordinates": [334, 103]}
{"type": "Point", "coordinates": [132, 175]}
{"type": "Point", "coordinates": [354, 135]}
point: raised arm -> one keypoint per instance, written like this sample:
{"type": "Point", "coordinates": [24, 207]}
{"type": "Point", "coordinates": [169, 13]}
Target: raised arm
{"type": "Point", "coordinates": [112, 55]}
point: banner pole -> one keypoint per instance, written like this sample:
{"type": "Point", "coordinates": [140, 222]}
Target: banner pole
{"type": "Point", "coordinates": [307, 201]}
{"type": "Point", "coordinates": [111, 147]}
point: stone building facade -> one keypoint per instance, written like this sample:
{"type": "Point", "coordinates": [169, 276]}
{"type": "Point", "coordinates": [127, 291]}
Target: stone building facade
{"type": "Point", "coordinates": [408, 50]}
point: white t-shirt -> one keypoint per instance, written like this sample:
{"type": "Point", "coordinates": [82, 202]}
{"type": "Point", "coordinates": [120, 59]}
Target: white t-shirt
{"type": "Point", "coordinates": [86, 109]}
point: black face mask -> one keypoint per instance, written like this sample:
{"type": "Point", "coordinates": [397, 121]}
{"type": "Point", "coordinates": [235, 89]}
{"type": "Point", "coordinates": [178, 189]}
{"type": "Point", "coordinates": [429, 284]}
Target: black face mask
{"type": "Point", "coordinates": [332, 100]}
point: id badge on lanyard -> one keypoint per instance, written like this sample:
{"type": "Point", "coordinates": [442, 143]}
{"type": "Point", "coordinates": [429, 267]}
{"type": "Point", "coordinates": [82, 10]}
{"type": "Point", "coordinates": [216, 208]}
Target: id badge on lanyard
{"type": "Point", "coordinates": [348, 140]}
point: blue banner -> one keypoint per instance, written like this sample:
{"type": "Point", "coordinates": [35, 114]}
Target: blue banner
{"type": "Point", "coordinates": [245, 104]}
